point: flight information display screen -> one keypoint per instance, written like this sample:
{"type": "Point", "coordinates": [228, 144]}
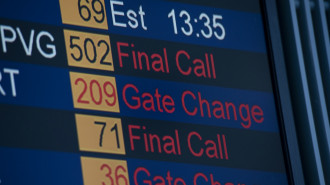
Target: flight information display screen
{"type": "Point", "coordinates": [118, 92]}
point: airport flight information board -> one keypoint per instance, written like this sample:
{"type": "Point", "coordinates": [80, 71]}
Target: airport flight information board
{"type": "Point", "coordinates": [119, 92]}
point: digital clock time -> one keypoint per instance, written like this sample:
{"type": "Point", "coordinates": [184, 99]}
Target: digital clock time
{"type": "Point", "coordinates": [209, 29]}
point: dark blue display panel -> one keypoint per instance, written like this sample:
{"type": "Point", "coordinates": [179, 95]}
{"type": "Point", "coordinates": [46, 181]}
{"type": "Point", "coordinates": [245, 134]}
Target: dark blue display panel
{"type": "Point", "coordinates": [39, 167]}
{"type": "Point", "coordinates": [137, 92]}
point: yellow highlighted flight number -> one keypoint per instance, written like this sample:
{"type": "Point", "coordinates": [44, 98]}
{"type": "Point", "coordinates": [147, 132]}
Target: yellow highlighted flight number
{"type": "Point", "coordinates": [94, 92]}
{"type": "Point", "coordinates": [104, 171]}
{"type": "Point", "coordinates": [88, 13]}
{"type": "Point", "coordinates": [100, 134]}
{"type": "Point", "coordinates": [88, 50]}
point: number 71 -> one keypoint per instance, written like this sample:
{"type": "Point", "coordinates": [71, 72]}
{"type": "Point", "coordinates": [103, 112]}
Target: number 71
{"type": "Point", "coordinates": [114, 128]}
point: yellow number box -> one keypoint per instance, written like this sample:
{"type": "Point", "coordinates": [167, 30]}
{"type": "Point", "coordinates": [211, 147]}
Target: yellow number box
{"type": "Point", "coordinates": [88, 50]}
{"type": "Point", "coordinates": [94, 92]}
{"type": "Point", "coordinates": [88, 13]}
{"type": "Point", "coordinates": [100, 134]}
{"type": "Point", "coordinates": [104, 171]}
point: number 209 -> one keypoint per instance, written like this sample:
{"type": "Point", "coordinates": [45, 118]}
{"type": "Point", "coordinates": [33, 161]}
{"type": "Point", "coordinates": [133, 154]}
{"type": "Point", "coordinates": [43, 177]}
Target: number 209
{"type": "Point", "coordinates": [97, 99]}
{"type": "Point", "coordinates": [94, 92]}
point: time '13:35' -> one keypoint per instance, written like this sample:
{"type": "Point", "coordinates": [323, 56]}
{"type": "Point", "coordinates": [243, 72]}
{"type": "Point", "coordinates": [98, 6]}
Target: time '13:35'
{"type": "Point", "coordinates": [209, 29]}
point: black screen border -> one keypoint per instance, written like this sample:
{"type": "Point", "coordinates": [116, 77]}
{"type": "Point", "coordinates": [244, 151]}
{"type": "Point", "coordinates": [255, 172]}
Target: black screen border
{"type": "Point", "coordinates": [282, 92]}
